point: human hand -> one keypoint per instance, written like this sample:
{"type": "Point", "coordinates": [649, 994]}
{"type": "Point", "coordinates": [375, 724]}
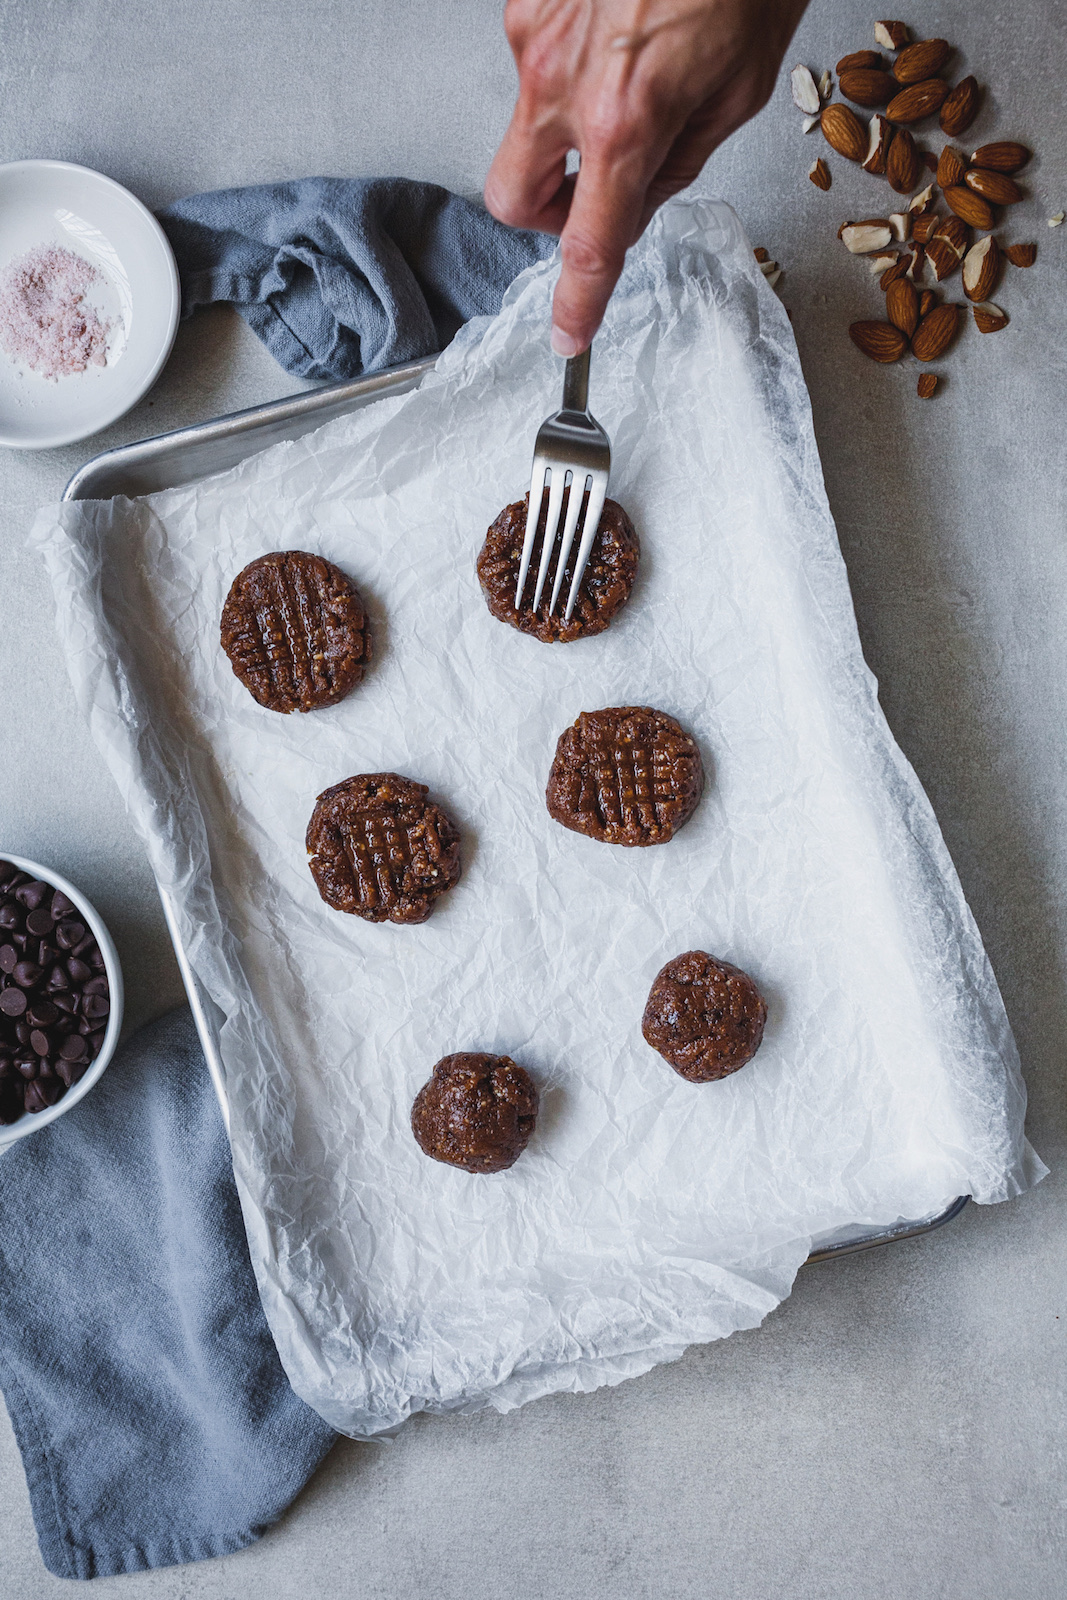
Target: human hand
{"type": "Point", "coordinates": [644, 90]}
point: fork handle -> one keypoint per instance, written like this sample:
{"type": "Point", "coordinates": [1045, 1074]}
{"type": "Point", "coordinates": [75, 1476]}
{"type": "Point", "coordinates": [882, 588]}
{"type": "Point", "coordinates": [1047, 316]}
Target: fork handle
{"type": "Point", "coordinates": [576, 383]}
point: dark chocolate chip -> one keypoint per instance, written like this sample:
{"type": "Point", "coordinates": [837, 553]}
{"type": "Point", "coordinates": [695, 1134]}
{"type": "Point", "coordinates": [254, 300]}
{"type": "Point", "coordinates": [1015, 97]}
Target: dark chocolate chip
{"type": "Point", "coordinates": [77, 970]}
{"type": "Point", "coordinates": [27, 1066]}
{"type": "Point", "coordinates": [67, 1003]}
{"type": "Point", "coordinates": [97, 985]}
{"type": "Point", "coordinates": [68, 934]}
{"type": "Point", "coordinates": [42, 1014]}
{"type": "Point", "coordinates": [61, 906]}
{"type": "Point", "coordinates": [12, 1002]}
{"type": "Point", "coordinates": [65, 1070]}
{"type": "Point", "coordinates": [8, 870]}
{"type": "Point", "coordinates": [40, 923]}
{"type": "Point", "coordinates": [96, 1043]}
{"type": "Point", "coordinates": [27, 973]}
{"type": "Point", "coordinates": [57, 979]}
{"type": "Point", "coordinates": [35, 1100]}
{"type": "Point", "coordinates": [96, 1006]}
{"type": "Point", "coordinates": [22, 1032]}
{"type": "Point", "coordinates": [46, 953]}
{"type": "Point", "coordinates": [11, 916]}
{"type": "Point", "coordinates": [73, 1048]}
{"type": "Point", "coordinates": [40, 1042]}
{"type": "Point", "coordinates": [86, 1027]}
{"type": "Point", "coordinates": [96, 960]}
{"type": "Point", "coordinates": [33, 894]}
{"type": "Point", "coordinates": [8, 957]}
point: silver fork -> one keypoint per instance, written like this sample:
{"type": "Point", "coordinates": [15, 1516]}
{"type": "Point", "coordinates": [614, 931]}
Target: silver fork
{"type": "Point", "coordinates": [572, 452]}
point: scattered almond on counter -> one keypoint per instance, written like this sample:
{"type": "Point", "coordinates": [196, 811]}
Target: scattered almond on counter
{"type": "Point", "coordinates": [910, 84]}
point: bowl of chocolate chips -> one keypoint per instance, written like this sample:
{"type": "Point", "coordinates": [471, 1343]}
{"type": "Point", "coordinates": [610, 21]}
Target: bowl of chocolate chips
{"type": "Point", "coordinates": [60, 997]}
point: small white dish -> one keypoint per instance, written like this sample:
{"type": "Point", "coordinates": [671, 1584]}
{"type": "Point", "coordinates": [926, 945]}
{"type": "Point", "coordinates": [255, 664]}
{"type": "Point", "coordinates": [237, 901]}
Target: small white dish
{"type": "Point", "coordinates": [31, 1121]}
{"type": "Point", "coordinates": [58, 203]}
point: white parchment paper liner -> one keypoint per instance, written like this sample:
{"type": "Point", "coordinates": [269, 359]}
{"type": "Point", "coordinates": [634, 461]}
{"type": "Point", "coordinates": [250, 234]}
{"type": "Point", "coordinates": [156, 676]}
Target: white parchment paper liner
{"type": "Point", "coordinates": [647, 1213]}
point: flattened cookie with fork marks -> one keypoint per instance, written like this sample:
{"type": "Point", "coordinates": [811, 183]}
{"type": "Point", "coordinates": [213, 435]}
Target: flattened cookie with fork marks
{"type": "Point", "coordinates": [628, 775]}
{"type": "Point", "coordinates": [295, 631]}
{"type": "Point", "coordinates": [380, 849]}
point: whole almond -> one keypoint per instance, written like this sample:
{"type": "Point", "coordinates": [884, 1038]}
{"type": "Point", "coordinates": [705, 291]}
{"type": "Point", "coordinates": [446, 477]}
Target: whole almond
{"type": "Point", "coordinates": [902, 168]}
{"type": "Point", "coordinates": [922, 228]}
{"type": "Point", "coordinates": [902, 306]}
{"type": "Point", "coordinates": [927, 302]}
{"type": "Point", "coordinates": [995, 187]}
{"type": "Point", "coordinates": [921, 60]}
{"type": "Point", "coordinates": [893, 35]}
{"type": "Point", "coordinates": [970, 207]}
{"type": "Point", "coordinates": [926, 385]}
{"type": "Point", "coordinates": [844, 132]}
{"type": "Point", "coordinates": [950, 168]}
{"type": "Point", "coordinates": [961, 108]}
{"type": "Point", "coordinates": [880, 138]}
{"type": "Point", "coordinates": [990, 318]}
{"type": "Point", "coordinates": [820, 174]}
{"type": "Point", "coordinates": [865, 86]}
{"type": "Point", "coordinates": [1022, 255]}
{"type": "Point", "coordinates": [1003, 156]}
{"type": "Point", "coordinates": [879, 340]}
{"type": "Point", "coordinates": [917, 101]}
{"type": "Point", "coordinates": [981, 268]}
{"type": "Point", "coordinates": [860, 59]}
{"type": "Point", "coordinates": [935, 332]}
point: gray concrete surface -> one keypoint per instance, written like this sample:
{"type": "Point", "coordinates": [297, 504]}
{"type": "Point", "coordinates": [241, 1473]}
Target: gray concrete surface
{"type": "Point", "coordinates": [896, 1430]}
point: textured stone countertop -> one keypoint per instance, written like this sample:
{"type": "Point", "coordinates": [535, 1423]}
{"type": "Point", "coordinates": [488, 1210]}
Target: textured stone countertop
{"type": "Point", "coordinates": [896, 1428]}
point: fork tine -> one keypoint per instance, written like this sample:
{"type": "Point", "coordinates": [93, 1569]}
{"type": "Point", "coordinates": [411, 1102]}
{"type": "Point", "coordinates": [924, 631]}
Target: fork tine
{"type": "Point", "coordinates": [537, 488]}
{"type": "Point", "coordinates": [597, 495]}
{"type": "Point", "coordinates": [574, 506]}
{"type": "Point", "coordinates": [555, 498]}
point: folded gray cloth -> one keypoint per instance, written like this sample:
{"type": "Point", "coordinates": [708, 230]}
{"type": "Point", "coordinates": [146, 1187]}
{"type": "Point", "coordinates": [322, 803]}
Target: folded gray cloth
{"type": "Point", "coordinates": [342, 276]}
{"type": "Point", "coordinates": [155, 1422]}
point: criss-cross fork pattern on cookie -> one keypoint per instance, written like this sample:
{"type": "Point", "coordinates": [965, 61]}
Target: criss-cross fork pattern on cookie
{"type": "Point", "coordinates": [295, 631]}
{"type": "Point", "coordinates": [380, 849]}
{"type": "Point", "coordinates": [628, 775]}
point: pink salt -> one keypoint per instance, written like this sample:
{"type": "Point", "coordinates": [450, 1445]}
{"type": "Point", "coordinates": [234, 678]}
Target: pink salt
{"type": "Point", "coordinates": [46, 323]}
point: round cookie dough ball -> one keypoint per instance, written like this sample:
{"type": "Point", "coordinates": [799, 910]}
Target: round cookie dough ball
{"type": "Point", "coordinates": [378, 848]}
{"type": "Point", "coordinates": [295, 631]}
{"type": "Point", "coordinates": [606, 582]}
{"type": "Point", "coordinates": [704, 1016]}
{"type": "Point", "coordinates": [476, 1112]}
{"type": "Point", "coordinates": [628, 775]}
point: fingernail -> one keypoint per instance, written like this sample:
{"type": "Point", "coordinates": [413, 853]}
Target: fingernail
{"type": "Point", "coordinates": [564, 344]}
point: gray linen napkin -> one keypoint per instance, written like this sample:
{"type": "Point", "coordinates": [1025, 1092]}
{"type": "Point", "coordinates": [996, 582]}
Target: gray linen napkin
{"type": "Point", "coordinates": [154, 1419]}
{"type": "Point", "coordinates": [340, 276]}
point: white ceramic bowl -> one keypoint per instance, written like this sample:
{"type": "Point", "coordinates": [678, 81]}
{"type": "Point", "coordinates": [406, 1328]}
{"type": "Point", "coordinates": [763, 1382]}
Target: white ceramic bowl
{"type": "Point", "coordinates": [32, 1120]}
{"type": "Point", "coordinates": [55, 202]}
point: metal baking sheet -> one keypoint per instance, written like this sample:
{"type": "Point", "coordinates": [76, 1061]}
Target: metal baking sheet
{"type": "Point", "coordinates": [187, 454]}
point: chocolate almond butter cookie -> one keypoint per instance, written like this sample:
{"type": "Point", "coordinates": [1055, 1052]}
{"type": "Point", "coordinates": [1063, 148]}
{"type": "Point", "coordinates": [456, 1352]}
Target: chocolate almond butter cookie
{"type": "Point", "coordinates": [295, 631]}
{"type": "Point", "coordinates": [606, 582]}
{"type": "Point", "coordinates": [378, 848]}
{"type": "Point", "coordinates": [476, 1112]}
{"type": "Point", "coordinates": [628, 775]}
{"type": "Point", "coordinates": [704, 1016]}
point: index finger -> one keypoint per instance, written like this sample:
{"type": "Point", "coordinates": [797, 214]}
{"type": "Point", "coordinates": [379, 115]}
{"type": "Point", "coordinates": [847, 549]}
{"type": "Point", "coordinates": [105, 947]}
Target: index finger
{"type": "Point", "coordinates": [603, 220]}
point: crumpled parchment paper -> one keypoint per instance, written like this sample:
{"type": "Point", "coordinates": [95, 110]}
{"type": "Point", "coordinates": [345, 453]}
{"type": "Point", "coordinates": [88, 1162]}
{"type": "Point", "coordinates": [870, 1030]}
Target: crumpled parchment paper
{"type": "Point", "coordinates": [647, 1213]}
